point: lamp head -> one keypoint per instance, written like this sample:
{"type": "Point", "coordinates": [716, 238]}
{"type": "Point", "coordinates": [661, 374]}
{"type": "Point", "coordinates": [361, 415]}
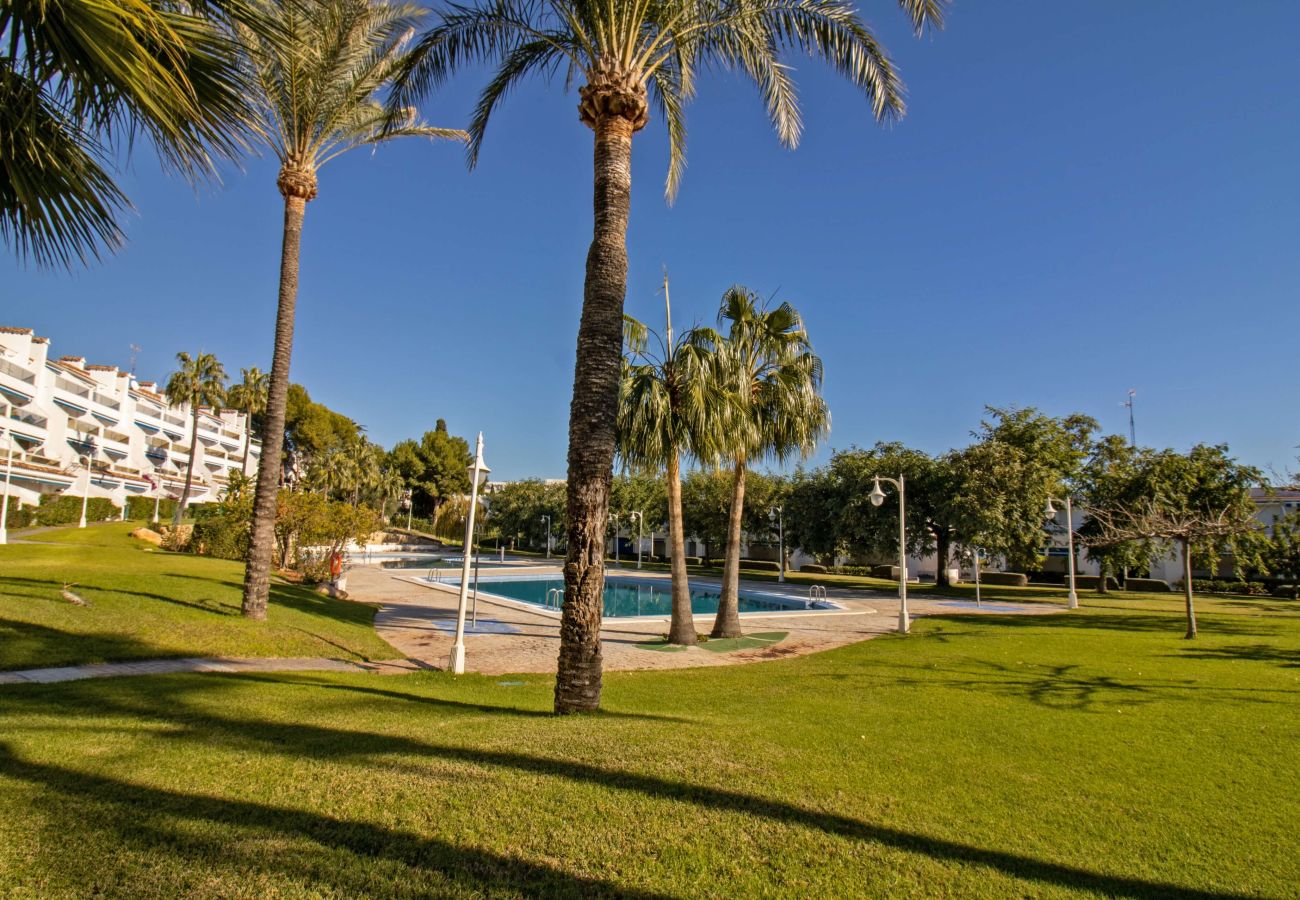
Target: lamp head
{"type": "Point", "coordinates": [877, 496]}
{"type": "Point", "coordinates": [1050, 511]}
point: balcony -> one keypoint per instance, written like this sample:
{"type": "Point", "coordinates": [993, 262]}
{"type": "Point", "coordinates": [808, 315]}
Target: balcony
{"type": "Point", "coordinates": [71, 387]}
{"type": "Point", "coordinates": [108, 402]}
{"type": "Point", "coordinates": [18, 372]}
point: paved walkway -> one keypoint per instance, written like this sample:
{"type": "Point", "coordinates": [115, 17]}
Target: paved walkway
{"type": "Point", "coordinates": [196, 664]}
{"type": "Point", "coordinates": [418, 619]}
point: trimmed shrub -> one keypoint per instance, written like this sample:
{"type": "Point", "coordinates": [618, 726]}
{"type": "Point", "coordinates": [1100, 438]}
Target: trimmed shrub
{"type": "Point", "coordinates": [140, 509]}
{"type": "Point", "coordinates": [20, 518]}
{"type": "Point", "coordinates": [860, 571]}
{"type": "Point", "coordinates": [693, 561]}
{"type": "Point", "coordinates": [813, 569]}
{"type": "Point", "coordinates": [760, 565]}
{"type": "Point", "coordinates": [1091, 582]}
{"type": "Point", "coordinates": [1005, 579]}
{"type": "Point", "coordinates": [878, 571]}
{"type": "Point", "coordinates": [65, 509]}
{"type": "Point", "coordinates": [1287, 591]}
{"type": "Point", "coordinates": [1154, 585]}
{"type": "Point", "coordinates": [222, 531]}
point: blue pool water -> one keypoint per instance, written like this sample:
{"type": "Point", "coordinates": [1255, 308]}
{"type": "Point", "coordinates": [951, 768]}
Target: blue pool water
{"type": "Point", "coordinates": [639, 597]}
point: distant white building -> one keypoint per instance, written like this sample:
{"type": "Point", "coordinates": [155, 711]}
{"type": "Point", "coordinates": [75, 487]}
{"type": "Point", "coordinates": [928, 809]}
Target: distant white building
{"type": "Point", "coordinates": [69, 427]}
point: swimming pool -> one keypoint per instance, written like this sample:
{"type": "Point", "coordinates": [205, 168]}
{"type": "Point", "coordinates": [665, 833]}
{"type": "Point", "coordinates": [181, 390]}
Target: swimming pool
{"type": "Point", "coordinates": [642, 596]}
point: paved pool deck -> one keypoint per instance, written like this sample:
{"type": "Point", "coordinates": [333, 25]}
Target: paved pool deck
{"type": "Point", "coordinates": [418, 618]}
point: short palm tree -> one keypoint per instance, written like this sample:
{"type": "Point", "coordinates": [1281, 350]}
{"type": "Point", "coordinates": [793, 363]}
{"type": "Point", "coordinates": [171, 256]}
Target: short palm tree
{"type": "Point", "coordinates": [249, 397]}
{"type": "Point", "coordinates": [320, 81]}
{"type": "Point", "coordinates": [77, 77]}
{"type": "Point", "coordinates": [200, 381]}
{"type": "Point", "coordinates": [669, 406]}
{"type": "Point", "coordinates": [632, 54]}
{"type": "Point", "coordinates": [765, 362]}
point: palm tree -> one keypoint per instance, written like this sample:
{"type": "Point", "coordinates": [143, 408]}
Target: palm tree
{"type": "Point", "coordinates": [668, 405]}
{"type": "Point", "coordinates": [249, 397]}
{"type": "Point", "coordinates": [768, 366]}
{"type": "Point", "coordinates": [200, 381]}
{"type": "Point", "coordinates": [631, 55]}
{"type": "Point", "coordinates": [318, 88]}
{"type": "Point", "coordinates": [77, 78]}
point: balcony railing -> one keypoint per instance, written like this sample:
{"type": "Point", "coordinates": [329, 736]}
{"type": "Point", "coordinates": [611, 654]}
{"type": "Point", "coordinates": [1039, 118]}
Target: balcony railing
{"type": "Point", "coordinates": [107, 401]}
{"type": "Point", "coordinates": [71, 387]}
{"type": "Point", "coordinates": [28, 418]}
{"type": "Point", "coordinates": [117, 436]}
{"type": "Point", "coordinates": [17, 372]}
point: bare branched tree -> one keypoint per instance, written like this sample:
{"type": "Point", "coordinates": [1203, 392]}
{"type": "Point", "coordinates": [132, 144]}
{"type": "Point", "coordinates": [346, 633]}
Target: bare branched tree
{"type": "Point", "coordinates": [1187, 528]}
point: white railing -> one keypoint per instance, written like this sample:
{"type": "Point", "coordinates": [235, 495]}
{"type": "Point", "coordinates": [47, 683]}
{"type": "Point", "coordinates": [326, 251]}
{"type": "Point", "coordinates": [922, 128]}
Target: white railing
{"type": "Point", "coordinates": [17, 372]}
{"type": "Point", "coordinates": [71, 387]}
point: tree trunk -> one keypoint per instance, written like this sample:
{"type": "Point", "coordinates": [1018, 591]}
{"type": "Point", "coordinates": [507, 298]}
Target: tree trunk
{"type": "Point", "coordinates": [257, 574]}
{"type": "Point", "coordinates": [1187, 588]}
{"type": "Point", "coordinates": [1102, 587]}
{"type": "Point", "coordinates": [248, 443]}
{"type": "Point", "coordinates": [942, 542]}
{"type": "Point", "coordinates": [592, 414]}
{"type": "Point", "coordinates": [681, 630]}
{"type": "Point", "coordinates": [727, 622]}
{"type": "Point", "coordinates": [189, 466]}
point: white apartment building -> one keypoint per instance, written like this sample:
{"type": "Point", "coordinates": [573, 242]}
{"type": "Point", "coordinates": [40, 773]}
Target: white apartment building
{"type": "Point", "coordinates": [69, 427]}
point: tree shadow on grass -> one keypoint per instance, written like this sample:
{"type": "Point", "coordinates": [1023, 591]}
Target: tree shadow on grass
{"type": "Point", "coordinates": [473, 866]}
{"type": "Point", "coordinates": [24, 645]}
{"type": "Point", "coordinates": [1172, 623]}
{"type": "Point", "coordinates": [86, 588]}
{"type": "Point", "coordinates": [130, 812]}
{"type": "Point", "coordinates": [1287, 659]}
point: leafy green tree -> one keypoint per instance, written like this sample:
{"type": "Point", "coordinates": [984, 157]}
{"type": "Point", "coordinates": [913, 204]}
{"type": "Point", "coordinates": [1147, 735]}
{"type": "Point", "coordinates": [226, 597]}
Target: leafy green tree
{"type": "Point", "coordinates": [1281, 552]}
{"type": "Point", "coordinates": [1198, 503]}
{"type": "Point", "coordinates": [767, 370]}
{"type": "Point", "coordinates": [319, 78]}
{"type": "Point", "coordinates": [200, 381]}
{"type": "Point", "coordinates": [1109, 480]}
{"type": "Point", "coordinates": [435, 467]}
{"type": "Point", "coordinates": [667, 409]}
{"type": "Point", "coordinates": [249, 397]}
{"type": "Point", "coordinates": [76, 78]}
{"type": "Point", "coordinates": [312, 430]}
{"type": "Point", "coordinates": [812, 512]}
{"type": "Point", "coordinates": [515, 510]}
{"type": "Point", "coordinates": [706, 509]}
{"type": "Point", "coordinates": [626, 57]}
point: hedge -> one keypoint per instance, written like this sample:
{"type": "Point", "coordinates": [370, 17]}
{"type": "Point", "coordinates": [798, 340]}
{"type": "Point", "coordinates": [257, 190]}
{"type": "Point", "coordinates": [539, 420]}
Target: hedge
{"type": "Point", "coordinates": [140, 509]}
{"type": "Point", "coordinates": [813, 569]}
{"type": "Point", "coordinates": [1148, 584]}
{"type": "Point", "coordinates": [890, 572]}
{"type": "Point", "coordinates": [65, 509]}
{"type": "Point", "coordinates": [1006, 579]}
{"type": "Point", "coordinates": [760, 565]}
{"type": "Point", "coordinates": [1224, 586]}
{"type": "Point", "coordinates": [1287, 591]}
{"type": "Point", "coordinates": [20, 518]}
{"type": "Point", "coordinates": [1091, 582]}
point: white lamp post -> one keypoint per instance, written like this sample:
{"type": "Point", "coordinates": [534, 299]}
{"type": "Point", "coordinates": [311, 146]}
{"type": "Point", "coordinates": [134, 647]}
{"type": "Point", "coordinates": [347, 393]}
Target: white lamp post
{"type": "Point", "coordinates": [877, 497]}
{"type": "Point", "coordinates": [547, 520]}
{"type": "Point", "coordinates": [617, 560]}
{"type": "Point", "coordinates": [9, 473]}
{"type": "Point", "coordinates": [85, 493]}
{"type": "Point", "coordinates": [410, 506]}
{"type": "Point", "coordinates": [157, 492]}
{"type": "Point", "coordinates": [638, 515]}
{"type": "Point", "coordinates": [777, 515]}
{"type": "Point", "coordinates": [1073, 601]}
{"type": "Point", "coordinates": [478, 473]}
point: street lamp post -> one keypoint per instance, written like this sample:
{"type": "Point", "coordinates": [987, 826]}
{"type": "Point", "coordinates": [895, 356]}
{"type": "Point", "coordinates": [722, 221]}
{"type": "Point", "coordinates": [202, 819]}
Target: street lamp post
{"type": "Point", "coordinates": [9, 473]}
{"type": "Point", "coordinates": [877, 497]}
{"type": "Point", "coordinates": [409, 503]}
{"type": "Point", "coordinates": [777, 515]}
{"type": "Point", "coordinates": [157, 493]}
{"type": "Point", "coordinates": [85, 493]}
{"type": "Point", "coordinates": [478, 473]}
{"type": "Point", "coordinates": [638, 515]}
{"type": "Point", "coordinates": [1073, 601]}
{"type": "Point", "coordinates": [547, 520]}
{"type": "Point", "coordinates": [617, 559]}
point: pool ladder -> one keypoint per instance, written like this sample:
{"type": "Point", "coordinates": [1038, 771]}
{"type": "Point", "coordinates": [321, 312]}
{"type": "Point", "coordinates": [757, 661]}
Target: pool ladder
{"type": "Point", "coordinates": [556, 595]}
{"type": "Point", "coordinates": [816, 592]}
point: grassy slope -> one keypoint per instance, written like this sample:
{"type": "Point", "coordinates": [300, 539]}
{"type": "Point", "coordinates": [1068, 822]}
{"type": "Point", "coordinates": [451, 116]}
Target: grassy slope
{"type": "Point", "coordinates": [147, 604]}
{"type": "Point", "coordinates": [1094, 753]}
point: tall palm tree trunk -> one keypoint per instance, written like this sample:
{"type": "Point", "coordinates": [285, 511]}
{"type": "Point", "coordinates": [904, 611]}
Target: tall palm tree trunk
{"type": "Point", "coordinates": [727, 622]}
{"type": "Point", "coordinates": [189, 467]}
{"type": "Point", "coordinates": [257, 574]}
{"type": "Point", "coordinates": [681, 628]}
{"type": "Point", "coordinates": [592, 415]}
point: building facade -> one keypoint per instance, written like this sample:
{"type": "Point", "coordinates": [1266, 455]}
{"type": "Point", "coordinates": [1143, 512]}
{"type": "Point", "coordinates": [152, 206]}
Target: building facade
{"type": "Point", "coordinates": [91, 430]}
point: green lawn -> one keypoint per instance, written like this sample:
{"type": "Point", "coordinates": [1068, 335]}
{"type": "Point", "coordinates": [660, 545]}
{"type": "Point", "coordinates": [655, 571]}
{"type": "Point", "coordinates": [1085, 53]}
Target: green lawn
{"type": "Point", "coordinates": [1087, 754]}
{"type": "Point", "coordinates": [150, 604]}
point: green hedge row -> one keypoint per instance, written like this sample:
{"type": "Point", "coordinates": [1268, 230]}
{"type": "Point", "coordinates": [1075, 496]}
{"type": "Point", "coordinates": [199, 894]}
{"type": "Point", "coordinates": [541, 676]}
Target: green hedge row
{"type": "Point", "coordinates": [1007, 579]}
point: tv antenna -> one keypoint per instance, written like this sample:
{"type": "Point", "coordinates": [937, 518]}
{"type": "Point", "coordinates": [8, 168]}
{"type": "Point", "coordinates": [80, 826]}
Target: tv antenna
{"type": "Point", "coordinates": [135, 349]}
{"type": "Point", "coordinates": [1132, 429]}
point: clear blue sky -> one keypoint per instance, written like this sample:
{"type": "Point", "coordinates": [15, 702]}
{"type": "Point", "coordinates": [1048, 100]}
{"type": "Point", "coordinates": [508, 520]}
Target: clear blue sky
{"type": "Point", "coordinates": [1084, 198]}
